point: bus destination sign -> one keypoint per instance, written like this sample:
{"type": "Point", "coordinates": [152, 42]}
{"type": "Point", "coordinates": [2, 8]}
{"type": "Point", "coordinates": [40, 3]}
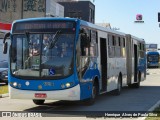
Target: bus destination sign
{"type": "Point", "coordinates": [42, 25]}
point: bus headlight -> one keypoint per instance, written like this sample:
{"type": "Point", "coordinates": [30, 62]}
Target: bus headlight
{"type": "Point", "coordinates": [15, 84]}
{"type": "Point", "coordinates": [68, 85]}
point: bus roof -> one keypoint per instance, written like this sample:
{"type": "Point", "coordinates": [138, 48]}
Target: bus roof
{"type": "Point", "coordinates": [101, 28]}
{"type": "Point", "coordinates": [136, 38]}
{"type": "Point", "coordinates": [82, 22]}
{"type": "Point", "coordinates": [152, 53]}
{"type": "Point", "coordinates": [45, 18]}
{"type": "Point", "coordinates": [109, 30]}
{"type": "Point", "coordinates": [139, 39]}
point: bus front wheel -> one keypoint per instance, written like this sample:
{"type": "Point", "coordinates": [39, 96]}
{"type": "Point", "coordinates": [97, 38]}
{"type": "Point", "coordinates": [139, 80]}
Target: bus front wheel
{"type": "Point", "coordinates": [38, 102]}
{"type": "Point", "coordinates": [91, 100]}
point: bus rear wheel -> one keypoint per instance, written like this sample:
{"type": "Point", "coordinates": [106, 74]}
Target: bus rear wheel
{"type": "Point", "coordinates": [136, 85]}
{"type": "Point", "coordinates": [38, 102]}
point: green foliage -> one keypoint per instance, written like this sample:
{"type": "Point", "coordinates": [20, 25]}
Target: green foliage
{"type": "Point", "coordinates": [3, 89]}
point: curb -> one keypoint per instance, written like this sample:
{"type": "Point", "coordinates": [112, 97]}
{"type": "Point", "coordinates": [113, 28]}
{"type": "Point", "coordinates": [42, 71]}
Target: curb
{"type": "Point", "coordinates": [151, 109]}
{"type": "Point", "coordinates": [4, 95]}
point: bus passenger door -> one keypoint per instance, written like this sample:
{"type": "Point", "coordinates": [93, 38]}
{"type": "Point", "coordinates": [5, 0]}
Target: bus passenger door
{"type": "Point", "coordinates": [135, 62]}
{"type": "Point", "coordinates": [103, 53]}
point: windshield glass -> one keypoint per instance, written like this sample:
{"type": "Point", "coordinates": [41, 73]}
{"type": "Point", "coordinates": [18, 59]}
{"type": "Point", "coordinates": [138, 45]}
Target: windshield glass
{"type": "Point", "coordinates": [42, 55]}
{"type": "Point", "coordinates": [3, 64]}
{"type": "Point", "coordinates": [153, 58]}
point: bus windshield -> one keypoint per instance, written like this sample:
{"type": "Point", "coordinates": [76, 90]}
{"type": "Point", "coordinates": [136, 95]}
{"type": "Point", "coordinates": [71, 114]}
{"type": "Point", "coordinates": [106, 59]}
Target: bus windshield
{"type": "Point", "coordinates": [153, 58]}
{"type": "Point", "coordinates": [39, 55]}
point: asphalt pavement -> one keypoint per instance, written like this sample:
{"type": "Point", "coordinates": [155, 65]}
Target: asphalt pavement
{"type": "Point", "coordinates": [137, 100]}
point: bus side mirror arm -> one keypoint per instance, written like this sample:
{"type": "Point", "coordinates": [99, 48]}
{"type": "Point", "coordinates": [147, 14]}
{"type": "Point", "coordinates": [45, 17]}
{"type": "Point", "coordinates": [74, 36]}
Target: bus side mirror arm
{"type": "Point", "coordinates": [6, 36]}
{"type": "Point", "coordinates": [5, 44]}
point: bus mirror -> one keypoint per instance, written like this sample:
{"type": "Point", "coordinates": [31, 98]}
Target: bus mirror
{"type": "Point", "coordinates": [5, 44]}
{"type": "Point", "coordinates": [5, 47]}
{"type": "Point", "coordinates": [6, 36]}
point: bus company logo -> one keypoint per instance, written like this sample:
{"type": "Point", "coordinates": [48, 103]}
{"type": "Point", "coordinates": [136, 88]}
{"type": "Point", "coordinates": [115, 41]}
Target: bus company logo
{"type": "Point", "coordinates": [20, 114]}
{"type": "Point", "coordinates": [6, 114]}
{"type": "Point", "coordinates": [139, 18]}
{"type": "Point", "coordinates": [40, 87]}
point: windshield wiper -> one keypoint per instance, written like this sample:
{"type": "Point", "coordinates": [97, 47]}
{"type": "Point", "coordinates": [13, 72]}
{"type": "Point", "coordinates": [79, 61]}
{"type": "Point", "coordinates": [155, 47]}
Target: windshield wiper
{"type": "Point", "coordinates": [54, 40]}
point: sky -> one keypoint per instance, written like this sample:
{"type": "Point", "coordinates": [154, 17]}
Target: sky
{"type": "Point", "coordinates": [122, 14]}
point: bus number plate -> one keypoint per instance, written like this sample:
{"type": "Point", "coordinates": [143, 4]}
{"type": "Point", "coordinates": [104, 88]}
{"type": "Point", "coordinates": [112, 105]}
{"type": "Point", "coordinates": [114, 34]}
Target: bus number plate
{"type": "Point", "coordinates": [40, 95]}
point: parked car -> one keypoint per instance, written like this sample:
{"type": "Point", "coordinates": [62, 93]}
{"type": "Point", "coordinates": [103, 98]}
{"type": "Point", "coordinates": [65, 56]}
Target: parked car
{"type": "Point", "coordinates": [4, 72]}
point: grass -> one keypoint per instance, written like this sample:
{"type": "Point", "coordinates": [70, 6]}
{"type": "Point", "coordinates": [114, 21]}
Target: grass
{"type": "Point", "coordinates": [156, 111]}
{"type": "Point", "coordinates": [3, 89]}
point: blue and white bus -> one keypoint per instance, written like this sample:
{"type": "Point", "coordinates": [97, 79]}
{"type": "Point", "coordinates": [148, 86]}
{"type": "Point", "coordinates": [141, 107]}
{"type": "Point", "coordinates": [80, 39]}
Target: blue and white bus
{"type": "Point", "coordinates": [152, 59]}
{"type": "Point", "coordinates": [70, 59]}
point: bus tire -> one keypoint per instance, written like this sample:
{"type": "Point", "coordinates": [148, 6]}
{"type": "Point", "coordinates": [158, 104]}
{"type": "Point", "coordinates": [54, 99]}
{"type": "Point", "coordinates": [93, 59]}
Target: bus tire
{"type": "Point", "coordinates": [38, 102]}
{"type": "Point", "coordinates": [119, 86]}
{"type": "Point", "coordinates": [91, 100]}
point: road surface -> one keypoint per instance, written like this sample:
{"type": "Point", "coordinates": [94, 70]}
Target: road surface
{"type": "Point", "coordinates": [137, 100]}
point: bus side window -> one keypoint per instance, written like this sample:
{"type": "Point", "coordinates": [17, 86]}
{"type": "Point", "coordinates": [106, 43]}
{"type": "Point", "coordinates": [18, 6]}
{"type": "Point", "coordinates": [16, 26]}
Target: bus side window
{"type": "Point", "coordinates": [85, 43]}
{"type": "Point", "coordinates": [124, 42]}
{"type": "Point", "coordinates": [113, 40]}
{"type": "Point", "coordinates": [94, 44]}
{"type": "Point", "coordinates": [110, 46]}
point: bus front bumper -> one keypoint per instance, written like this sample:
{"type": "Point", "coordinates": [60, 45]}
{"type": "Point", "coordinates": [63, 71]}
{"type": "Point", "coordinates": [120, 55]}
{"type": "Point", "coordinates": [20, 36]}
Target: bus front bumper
{"type": "Point", "coordinates": [67, 94]}
{"type": "Point", "coordinates": [153, 64]}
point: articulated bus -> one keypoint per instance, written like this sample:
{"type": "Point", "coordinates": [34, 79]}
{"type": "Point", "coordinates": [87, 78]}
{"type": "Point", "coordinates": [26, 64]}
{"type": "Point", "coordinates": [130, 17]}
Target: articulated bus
{"type": "Point", "coordinates": [70, 59]}
{"type": "Point", "coordinates": [152, 59]}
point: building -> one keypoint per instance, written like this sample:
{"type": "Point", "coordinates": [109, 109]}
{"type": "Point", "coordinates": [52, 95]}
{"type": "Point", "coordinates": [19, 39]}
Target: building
{"type": "Point", "coordinates": [84, 10]}
{"type": "Point", "coordinates": [4, 27]}
{"type": "Point", "coordinates": [11, 10]}
{"type": "Point", "coordinates": [53, 9]}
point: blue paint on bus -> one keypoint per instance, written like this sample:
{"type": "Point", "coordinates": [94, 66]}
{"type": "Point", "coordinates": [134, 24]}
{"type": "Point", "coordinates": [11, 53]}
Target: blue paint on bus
{"type": "Point", "coordinates": [152, 59]}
